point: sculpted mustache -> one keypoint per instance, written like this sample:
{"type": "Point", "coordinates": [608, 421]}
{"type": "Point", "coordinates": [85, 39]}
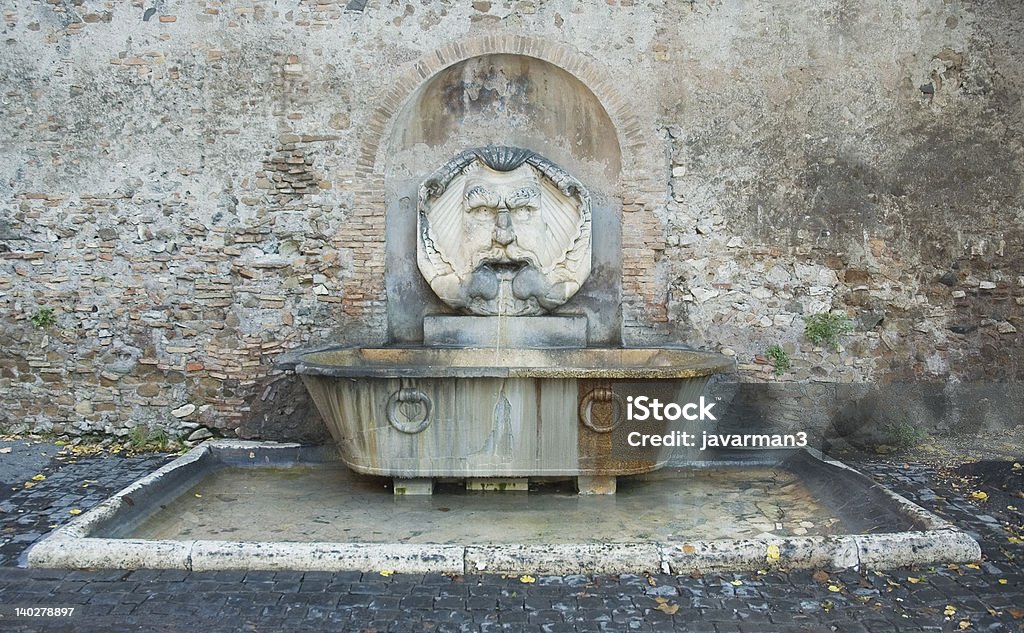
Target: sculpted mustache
{"type": "Point", "coordinates": [506, 255]}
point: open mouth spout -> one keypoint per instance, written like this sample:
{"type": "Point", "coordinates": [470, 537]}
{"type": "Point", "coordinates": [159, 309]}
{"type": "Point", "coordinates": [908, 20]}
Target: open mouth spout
{"type": "Point", "coordinates": [506, 269]}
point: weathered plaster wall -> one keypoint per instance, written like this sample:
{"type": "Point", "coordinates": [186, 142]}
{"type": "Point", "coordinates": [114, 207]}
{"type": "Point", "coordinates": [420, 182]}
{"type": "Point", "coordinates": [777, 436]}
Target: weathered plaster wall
{"type": "Point", "coordinates": [196, 187]}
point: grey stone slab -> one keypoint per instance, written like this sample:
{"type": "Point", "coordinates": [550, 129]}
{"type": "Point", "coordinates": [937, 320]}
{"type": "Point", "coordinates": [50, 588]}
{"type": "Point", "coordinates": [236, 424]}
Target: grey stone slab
{"type": "Point", "coordinates": [591, 558]}
{"type": "Point", "coordinates": [506, 332]}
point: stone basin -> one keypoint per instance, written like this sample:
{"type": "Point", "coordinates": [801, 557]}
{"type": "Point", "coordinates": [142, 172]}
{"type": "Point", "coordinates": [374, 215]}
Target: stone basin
{"type": "Point", "coordinates": [423, 412]}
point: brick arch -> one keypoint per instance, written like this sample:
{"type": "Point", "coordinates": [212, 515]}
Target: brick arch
{"type": "Point", "coordinates": [643, 180]}
{"type": "Point", "coordinates": [407, 82]}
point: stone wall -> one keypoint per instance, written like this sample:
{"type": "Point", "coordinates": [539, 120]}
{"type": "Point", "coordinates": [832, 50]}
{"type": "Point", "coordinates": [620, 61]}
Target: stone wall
{"type": "Point", "coordinates": [194, 188]}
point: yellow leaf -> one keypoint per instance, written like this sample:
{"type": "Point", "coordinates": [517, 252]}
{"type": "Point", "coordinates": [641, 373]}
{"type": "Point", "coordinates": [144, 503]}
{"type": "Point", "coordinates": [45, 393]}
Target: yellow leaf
{"type": "Point", "coordinates": [386, 572]}
{"type": "Point", "coordinates": [736, 583]}
{"type": "Point", "coordinates": [1014, 540]}
{"type": "Point", "coordinates": [527, 578]}
{"type": "Point", "coordinates": [670, 609]}
{"type": "Point", "coordinates": [773, 552]}
{"type": "Point", "coordinates": [29, 484]}
{"type": "Point", "coordinates": [965, 624]}
{"type": "Point", "coordinates": [979, 495]}
{"type": "Point", "coordinates": [950, 611]}
{"type": "Point", "coordinates": [74, 511]}
{"type": "Point", "coordinates": [39, 478]}
{"type": "Point", "coordinates": [1017, 466]}
{"type": "Point", "coordinates": [973, 566]}
{"type": "Point", "coordinates": [1003, 581]}
{"type": "Point", "coordinates": [835, 588]}
{"type": "Point", "coordinates": [689, 549]}
{"type": "Point", "coordinates": [661, 600]}
{"type": "Point", "coordinates": [199, 496]}
{"type": "Point", "coordinates": [913, 580]}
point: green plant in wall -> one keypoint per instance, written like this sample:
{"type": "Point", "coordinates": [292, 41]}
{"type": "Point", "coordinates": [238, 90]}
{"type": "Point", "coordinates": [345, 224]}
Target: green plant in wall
{"type": "Point", "coordinates": [142, 439]}
{"type": "Point", "coordinates": [779, 358]}
{"type": "Point", "coordinates": [43, 318]}
{"type": "Point", "coordinates": [825, 329]}
{"type": "Point", "coordinates": [904, 435]}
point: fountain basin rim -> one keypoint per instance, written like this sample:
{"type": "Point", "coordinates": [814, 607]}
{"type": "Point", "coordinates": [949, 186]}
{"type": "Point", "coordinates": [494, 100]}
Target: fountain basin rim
{"type": "Point", "coordinates": [642, 363]}
{"type": "Point", "coordinates": [76, 545]}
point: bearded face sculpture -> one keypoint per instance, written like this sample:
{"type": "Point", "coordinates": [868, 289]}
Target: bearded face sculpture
{"type": "Point", "coordinates": [503, 230]}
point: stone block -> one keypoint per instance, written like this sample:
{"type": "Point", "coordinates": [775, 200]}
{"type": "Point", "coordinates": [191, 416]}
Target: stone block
{"type": "Point", "coordinates": [530, 332]}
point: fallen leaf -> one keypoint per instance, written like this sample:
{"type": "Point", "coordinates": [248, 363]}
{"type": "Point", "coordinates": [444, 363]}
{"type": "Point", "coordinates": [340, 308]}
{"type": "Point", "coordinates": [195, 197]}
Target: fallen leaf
{"type": "Point", "coordinates": [913, 580]}
{"type": "Point", "coordinates": [949, 611]}
{"type": "Point", "coordinates": [660, 600]}
{"type": "Point", "coordinates": [1016, 613]}
{"type": "Point", "coordinates": [75, 511]}
{"type": "Point", "coordinates": [5, 450]}
{"type": "Point", "coordinates": [689, 549]}
{"type": "Point", "coordinates": [527, 578]}
{"type": "Point", "coordinates": [386, 572]}
{"type": "Point", "coordinates": [736, 583]}
{"type": "Point", "coordinates": [820, 576]}
{"type": "Point", "coordinates": [1003, 581]}
{"type": "Point", "coordinates": [973, 566]}
{"type": "Point", "coordinates": [670, 609]}
{"type": "Point", "coordinates": [773, 552]}
{"type": "Point", "coordinates": [835, 588]}
{"type": "Point", "coordinates": [39, 478]}
{"type": "Point", "coordinates": [965, 624]}
{"type": "Point", "coordinates": [199, 496]}
{"type": "Point", "coordinates": [979, 495]}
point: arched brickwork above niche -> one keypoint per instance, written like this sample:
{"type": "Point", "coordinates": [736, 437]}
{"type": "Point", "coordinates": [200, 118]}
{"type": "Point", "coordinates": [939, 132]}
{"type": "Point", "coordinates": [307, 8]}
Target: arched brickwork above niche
{"type": "Point", "coordinates": [620, 111]}
{"type": "Point", "coordinates": [635, 168]}
{"type": "Point", "coordinates": [511, 100]}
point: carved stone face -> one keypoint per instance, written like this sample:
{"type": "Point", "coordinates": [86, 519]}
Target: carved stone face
{"type": "Point", "coordinates": [503, 241]}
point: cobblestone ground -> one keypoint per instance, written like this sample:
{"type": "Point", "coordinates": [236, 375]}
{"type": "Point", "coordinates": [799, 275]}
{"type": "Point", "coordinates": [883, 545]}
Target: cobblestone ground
{"type": "Point", "coordinates": [987, 596]}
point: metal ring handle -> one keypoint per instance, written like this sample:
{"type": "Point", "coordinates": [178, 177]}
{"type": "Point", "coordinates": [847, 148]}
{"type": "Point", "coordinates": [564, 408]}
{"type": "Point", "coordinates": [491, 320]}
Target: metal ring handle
{"type": "Point", "coordinates": [414, 396]}
{"type": "Point", "coordinates": [602, 394]}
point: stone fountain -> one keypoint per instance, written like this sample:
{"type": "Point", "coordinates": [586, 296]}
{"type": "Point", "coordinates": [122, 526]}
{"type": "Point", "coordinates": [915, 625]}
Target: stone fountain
{"type": "Point", "coordinates": [501, 385]}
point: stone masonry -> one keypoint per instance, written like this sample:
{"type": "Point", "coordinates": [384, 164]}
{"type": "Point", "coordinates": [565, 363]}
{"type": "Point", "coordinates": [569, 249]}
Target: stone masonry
{"type": "Point", "coordinates": [192, 189]}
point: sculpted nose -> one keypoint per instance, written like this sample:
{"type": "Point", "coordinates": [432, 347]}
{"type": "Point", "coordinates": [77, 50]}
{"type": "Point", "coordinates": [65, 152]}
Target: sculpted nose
{"type": "Point", "coordinates": [503, 233]}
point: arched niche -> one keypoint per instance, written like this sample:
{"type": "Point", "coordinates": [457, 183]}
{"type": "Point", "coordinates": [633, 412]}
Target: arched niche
{"type": "Point", "coordinates": [503, 99]}
{"type": "Point", "coordinates": [511, 100]}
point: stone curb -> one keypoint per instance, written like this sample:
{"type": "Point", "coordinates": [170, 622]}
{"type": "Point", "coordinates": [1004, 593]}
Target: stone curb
{"type": "Point", "coordinates": [72, 547]}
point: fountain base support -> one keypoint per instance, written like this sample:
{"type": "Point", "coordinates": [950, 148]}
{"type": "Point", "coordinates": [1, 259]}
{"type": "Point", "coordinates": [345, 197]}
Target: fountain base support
{"type": "Point", "coordinates": [596, 485]}
{"type": "Point", "coordinates": [415, 486]}
{"type": "Point", "coordinates": [498, 484]}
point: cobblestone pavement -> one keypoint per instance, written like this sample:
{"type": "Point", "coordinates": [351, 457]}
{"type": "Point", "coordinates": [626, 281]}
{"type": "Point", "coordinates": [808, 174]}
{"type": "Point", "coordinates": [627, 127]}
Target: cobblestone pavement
{"type": "Point", "coordinates": [988, 596]}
